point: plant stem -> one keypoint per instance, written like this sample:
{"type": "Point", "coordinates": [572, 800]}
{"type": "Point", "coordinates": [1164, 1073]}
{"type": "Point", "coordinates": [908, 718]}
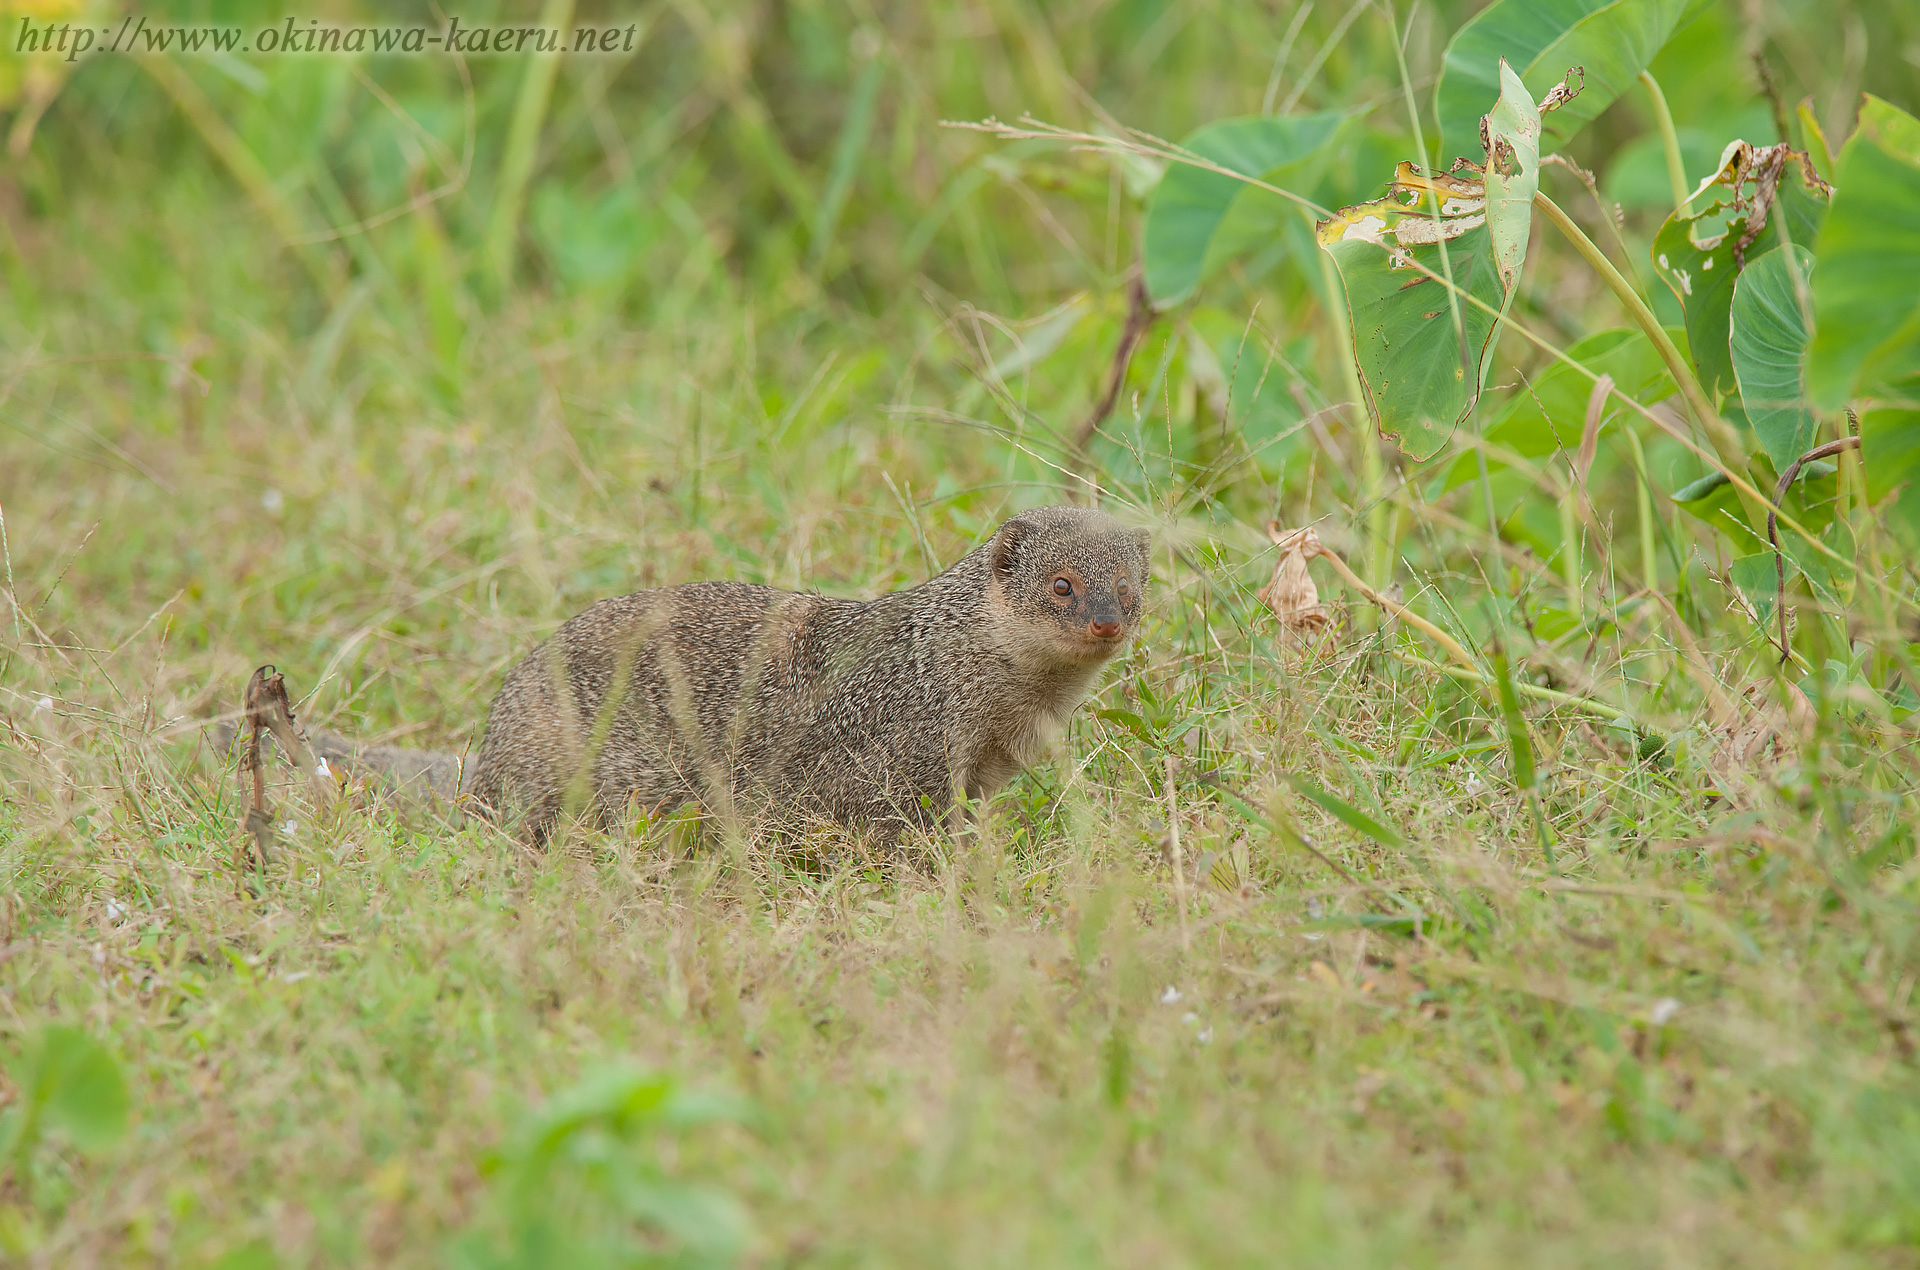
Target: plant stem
{"type": "Point", "coordinates": [1178, 857]}
{"type": "Point", "coordinates": [1649, 555]}
{"type": "Point", "coordinates": [1525, 689]}
{"type": "Point", "coordinates": [1676, 170]}
{"type": "Point", "coordinates": [1720, 434]}
{"type": "Point", "coordinates": [523, 143]}
{"type": "Point", "coordinates": [1570, 544]}
{"type": "Point", "coordinates": [1400, 611]}
{"type": "Point", "coordinates": [1366, 439]}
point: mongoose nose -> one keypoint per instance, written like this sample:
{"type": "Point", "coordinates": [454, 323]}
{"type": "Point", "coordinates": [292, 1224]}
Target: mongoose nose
{"type": "Point", "coordinates": [1103, 629]}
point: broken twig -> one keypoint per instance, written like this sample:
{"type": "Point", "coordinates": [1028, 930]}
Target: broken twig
{"type": "Point", "coordinates": [268, 709]}
{"type": "Point", "coordinates": [1139, 318]}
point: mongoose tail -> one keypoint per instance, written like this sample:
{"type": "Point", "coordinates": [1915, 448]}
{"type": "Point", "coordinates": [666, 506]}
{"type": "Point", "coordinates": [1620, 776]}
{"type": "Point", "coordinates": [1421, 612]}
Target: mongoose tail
{"type": "Point", "coordinates": [789, 708]}
{"type": "Point", "coordinates": [409, 772]}
{"type": "Point", "coordinates": [413, 774]}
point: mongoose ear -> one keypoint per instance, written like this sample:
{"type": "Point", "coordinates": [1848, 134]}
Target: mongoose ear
{"type": "Point", "coordinates": [1006, 547]}
{"type": "Point", "coordinates": [1144, 540]}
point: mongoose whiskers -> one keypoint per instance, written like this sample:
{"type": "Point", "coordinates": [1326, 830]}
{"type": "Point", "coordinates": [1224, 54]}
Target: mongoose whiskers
{"type": "Point", "coordinates": [775, 706]}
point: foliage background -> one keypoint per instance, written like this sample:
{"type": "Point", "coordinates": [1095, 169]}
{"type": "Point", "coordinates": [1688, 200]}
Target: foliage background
{"type": "Point", "coordinates": [756, 314]}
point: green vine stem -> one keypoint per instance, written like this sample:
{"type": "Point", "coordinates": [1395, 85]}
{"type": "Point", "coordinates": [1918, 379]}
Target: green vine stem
{"type": "Point", "coordinates": [1720, 433]}
{"type": "Point", "coordinates": [1670, 139]}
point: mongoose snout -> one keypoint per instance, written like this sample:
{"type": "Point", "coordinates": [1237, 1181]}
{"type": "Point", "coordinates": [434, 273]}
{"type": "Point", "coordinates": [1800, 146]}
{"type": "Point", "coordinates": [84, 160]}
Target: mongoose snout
{"type": "Point", "coordinates": [771, 705]}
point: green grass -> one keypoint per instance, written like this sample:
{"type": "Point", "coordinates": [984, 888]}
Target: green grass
{"type": "Point", "coordinates": [1690, 1042]}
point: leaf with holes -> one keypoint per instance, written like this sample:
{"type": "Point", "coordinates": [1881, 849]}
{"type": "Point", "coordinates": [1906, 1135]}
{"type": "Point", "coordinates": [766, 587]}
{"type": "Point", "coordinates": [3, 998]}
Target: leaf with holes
{"type": "Point", "coordinates": [1512, 176]}
{"type": "Point", "coordinates": [1757, 192]}
{"type": "Point", "coordinates": [1423, 350]}
{"type": "Point", "coordinates": [1768, 343]}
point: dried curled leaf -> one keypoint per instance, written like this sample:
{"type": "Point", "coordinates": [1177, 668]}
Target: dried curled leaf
{"type": "Point", "coordinates": [1291, 595]}
{"type": "Point", "coordinates": [1703, 248]}
{"type": "Point", "coordinates": [1404, 212]}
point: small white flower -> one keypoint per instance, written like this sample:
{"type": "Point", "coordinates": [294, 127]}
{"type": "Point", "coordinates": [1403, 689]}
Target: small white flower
{"type": "Point", "coordinates": [115, 910]}
{"type": "Point", "coordinates": [1474, 785]}
{"type": "Point", "coordinates": [273, 500]}
{"type": "Point", "coordinates": [1171, 996]}
{"type": "Point", "coordinates": [1190, 1019]}
{"type": "Point", "coordinates": [45, 703]}
{"type": "Point", "coordinates": [291, 825]}
{"type": "Point", "coordinates": [1663, 1010]}
{"type": "Point", "coordinates": [1205, 1036]}
{"type": "Point", "coordinates": [321, 769]}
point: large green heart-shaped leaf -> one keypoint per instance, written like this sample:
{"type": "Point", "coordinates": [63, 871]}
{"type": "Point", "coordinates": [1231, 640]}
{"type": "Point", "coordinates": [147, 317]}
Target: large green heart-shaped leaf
{"type": "Point", "coordinates": [1421, 372]}
{"type": "Point", "coordinates": [1422, 350]}
{"type": "Point", "coordinates": [1198, 217]}
{"type": "Point", "coordinates": [1698, 251]}
{"type": "Point", "coordinates": [1768, 341]}
{"type": "Point", "coordinates": [1545, 38]}
{"type": "Point", "coordinates": [1867, 301]}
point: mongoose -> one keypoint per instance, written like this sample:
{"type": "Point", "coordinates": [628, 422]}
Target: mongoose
{"type": "Point", "coordinates": [772, 705]}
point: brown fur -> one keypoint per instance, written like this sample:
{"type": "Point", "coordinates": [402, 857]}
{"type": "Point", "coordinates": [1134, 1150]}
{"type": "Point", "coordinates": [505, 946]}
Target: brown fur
{"type": "Point", "coordinates": [768, 705]}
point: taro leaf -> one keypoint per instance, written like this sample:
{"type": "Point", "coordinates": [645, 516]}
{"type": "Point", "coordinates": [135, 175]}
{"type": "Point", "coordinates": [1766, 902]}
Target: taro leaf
{"type": "Point", "coordinates": [1758, 577]}
{"type": "Point", "coordinates": [1197, 218]}
{"type": "Point", "coordinates": [1698, 251]}
{"type": "Point", "coordinates": [1411, 358]}
{"type": "Point", "coordinates": [1769, 347]}
{"type": "Point", "coordinates": [1810, 502]}
{"type": "Point", "coordinates": [1890, 446]}
{"type": "Point", "coordinates": [1512, 176]}
{"type": "Point", "coordinates": [1547, 416]}
{"type": "Point", "coordinates": [1712, 498]}
{"type": "Point", "coordinates": [1867, 302]}
{"type": "Point", "coordinates": [1613, 42]}
{"type": "Point", "coordinates": [1421, 350]}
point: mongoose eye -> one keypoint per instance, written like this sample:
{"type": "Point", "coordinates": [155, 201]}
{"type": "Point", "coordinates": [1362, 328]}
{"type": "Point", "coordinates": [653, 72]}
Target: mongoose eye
{"type": "Point", "coordinates": [1062, 587]}
{"type": "Point", "coordinates": [1124, 588]}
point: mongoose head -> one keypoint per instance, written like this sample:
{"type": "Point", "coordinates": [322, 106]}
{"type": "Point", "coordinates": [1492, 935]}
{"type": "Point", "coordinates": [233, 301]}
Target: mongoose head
{"type": "Point", "coordinates": [1073, 580]}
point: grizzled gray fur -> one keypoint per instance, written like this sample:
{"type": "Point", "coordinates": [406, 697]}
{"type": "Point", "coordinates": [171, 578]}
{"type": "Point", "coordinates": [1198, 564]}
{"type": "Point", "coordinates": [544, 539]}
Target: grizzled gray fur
{"type": "Point", "coordinates": [773, 706]}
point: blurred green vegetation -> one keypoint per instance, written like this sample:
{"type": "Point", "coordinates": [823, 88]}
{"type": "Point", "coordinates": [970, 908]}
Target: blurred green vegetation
{"type": "Point", "coordinates": [378, 368]}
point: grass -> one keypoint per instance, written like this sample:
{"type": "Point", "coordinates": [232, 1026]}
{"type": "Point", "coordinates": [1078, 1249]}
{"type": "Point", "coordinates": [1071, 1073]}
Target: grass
{"type": "Point", "coordinates": [1689, 1042]}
